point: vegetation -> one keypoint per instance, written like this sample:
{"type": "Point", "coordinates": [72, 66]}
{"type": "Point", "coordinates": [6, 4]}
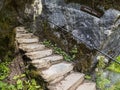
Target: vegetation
{"type": "Point", "coordinates": [102, 82]}
{"type": "Point", "coordinates": [4, 70]}
{"type": "Point", "coordinates": [20, 85]}
{"type": "Point", "coordinates": [114, 66]}
{"type": "Point", "coordinates": [58, 50]}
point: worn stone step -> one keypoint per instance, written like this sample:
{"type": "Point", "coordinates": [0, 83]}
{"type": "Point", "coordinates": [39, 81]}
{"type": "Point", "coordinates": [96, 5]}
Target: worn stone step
{"type": "Point", "coordinates": [87, 86]}
{"type": "Point", "coordinates": [28, 40]}
{"type": "Point", "coordinates": [58, 79]}
{"type": "Point", "coordinates": [39, 54]}
{"type": "Point", "coordinates": [47, 61]}
{"type": "Point", "coordinates": [31, 47]}
{"type": "Point", "coordinates": [24, 35]}
{"type": "Point", "coordinates": [20, 30]}
{"type": "Point", "coordinates": [56, 71]}
{"type": "Point", "coordinates": [71, 82]}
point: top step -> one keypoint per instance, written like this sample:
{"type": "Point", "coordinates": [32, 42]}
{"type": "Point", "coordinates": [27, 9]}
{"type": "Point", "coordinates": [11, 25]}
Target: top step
{"type": "Point", "coordinates": [20, 30]}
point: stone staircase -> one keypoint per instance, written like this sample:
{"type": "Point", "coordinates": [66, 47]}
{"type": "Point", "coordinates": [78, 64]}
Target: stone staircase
{"type": "Point", "coordinates": [51, 67]}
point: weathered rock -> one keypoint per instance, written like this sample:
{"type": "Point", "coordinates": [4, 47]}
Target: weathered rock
{"type": "Point", "coordinates": [87, 86]}
{"type": "Point", "coordinates": [28, 35]}
{"type": "Point", "coordinates": [58, 79]}
{"type": "Point", "coordinates": [47, 61]}
{"type": "Point", "coordinates": [109, 19]}
{"type": "Point", "coordinates": [20, 30]}
{"type": "Point", "coordinates": [56, 71]}
{"type": "Point", "coordinates": [28, 40]}
{"type": "Point", "coordinates": [32, 47]}
{"type": "Point", "coordinates": [39, 54]}
{"type": "Point", "coordinates": [71, 82]}
{"type": "Point", "coordinates": [87, 31]}
{"type": "Point", "coordinates": [84, 27]}
{"type": "Point", "coordinates": [34, 9]}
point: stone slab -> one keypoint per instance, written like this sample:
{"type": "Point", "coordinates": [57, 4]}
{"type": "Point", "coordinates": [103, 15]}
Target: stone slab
{"type": "Point", "coordinates": [47, 61]}
{"type": "Point", "coordinates": [20, 30]}
{"type": "Point", "coordinates": [71, 82]}
{"type": "Point", "coordinates": [27, 41]}
{"type": "Point", "coordinates": [24, 35]}
{"type": "Point", "coordinates": [31, 47]}
{"type": "Point", "coordinates": [39, 54]}
{"type": "Point", "coordinates": [56, 71]}
{"type": "Point", "coordinates": [87, 86]}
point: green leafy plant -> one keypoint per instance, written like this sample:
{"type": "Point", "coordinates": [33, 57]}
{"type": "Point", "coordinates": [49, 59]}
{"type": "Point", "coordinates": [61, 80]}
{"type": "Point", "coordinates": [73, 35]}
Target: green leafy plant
{"type": "Point", "coordinates": [58, 50]}
{"type": "Point", "coordinates": [26, 84]}
{"type": "Point", "coordinates": [32, 85]}
{"type": "Point", "coordinates": [102, 82]}
{"type": "Point", "coordinates": [116, 86]}
{"type": "Point", "coordinates": [19, 76]}
{"type": "Point", "coordinates": [5, 86]}
{"type": "Point", "coordinates": [4, 70]}
{"type": "Point", "coordinates": [87, 77]}
{"type": "Point", "coordinates": [19, 84]}
{"type": "Point", "coordinates": [114, 66]}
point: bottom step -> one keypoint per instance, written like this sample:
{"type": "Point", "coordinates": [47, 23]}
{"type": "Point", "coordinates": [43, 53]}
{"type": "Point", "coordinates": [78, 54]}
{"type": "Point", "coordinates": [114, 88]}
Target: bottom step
{"type": "Point", "coordinates": [87, 86]}
{"type": "Point", "coordinates": [71, 82]}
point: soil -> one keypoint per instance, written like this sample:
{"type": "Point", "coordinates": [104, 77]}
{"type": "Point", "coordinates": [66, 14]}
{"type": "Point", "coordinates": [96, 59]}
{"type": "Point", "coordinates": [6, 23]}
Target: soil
{"type": "Point", "coordinates": [17, 67]}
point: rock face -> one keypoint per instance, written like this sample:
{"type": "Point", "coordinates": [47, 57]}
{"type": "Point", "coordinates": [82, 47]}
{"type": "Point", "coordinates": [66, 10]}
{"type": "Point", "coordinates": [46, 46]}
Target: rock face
{"type": "Point", "coordinates": [67, 22]}
{"type": "Point", "coordinates": [69, 27]}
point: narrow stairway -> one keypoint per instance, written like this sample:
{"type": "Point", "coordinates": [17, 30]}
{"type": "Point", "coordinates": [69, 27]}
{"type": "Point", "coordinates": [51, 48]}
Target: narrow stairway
{"type": "Point", "coordinates": [53, 69]}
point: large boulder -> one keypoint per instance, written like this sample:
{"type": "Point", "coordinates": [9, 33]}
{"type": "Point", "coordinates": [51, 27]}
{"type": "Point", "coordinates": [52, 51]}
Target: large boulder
{"type": "Point", "coordinates": [88, 31]}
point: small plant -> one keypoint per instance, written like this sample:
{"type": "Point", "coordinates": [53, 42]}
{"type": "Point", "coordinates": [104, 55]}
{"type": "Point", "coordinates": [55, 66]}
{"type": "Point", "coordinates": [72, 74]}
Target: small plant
{"type": "Point", "coordinates": [19, 76]}
{"type": "Point", "coordinates": [101, 62]}
{"type": "Point", "coordinates": [114, 66]}
{"type": "Point", "coordinates": [4, 70]}
{"type": "Point", "coordinates": [87, 77]}
{"type": "Point", "coordinates": [116, 86]}
{"type": "Point", "coordinates": [58, 50]}
{"type": "Point", "coordinates": [27, 84]}
{"type": "Point", "coordinates": [101, 81]}
{"type": "Point", "coordinates": [5, 86]}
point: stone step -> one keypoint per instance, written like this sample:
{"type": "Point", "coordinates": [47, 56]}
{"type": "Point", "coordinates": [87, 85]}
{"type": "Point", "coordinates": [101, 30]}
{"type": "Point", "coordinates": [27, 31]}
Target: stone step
{"type": "Point", "coordinates": [31, 47]}
{"type": "Point", "coordinates": [47, 61]}
{"type": "Point", "coordinates": [39, 54]}
{"type": "Point", "coordinates": [24, 35]}
{"type": "Point", "coordinates": [28, 40]}
{"type": "Point", "coordinates": [56, 71]}
{"type": "Point", "coordinates": [58, 79]}
{"type": "Point", "coordinates": [20, 30]}
{"type": "Point", "coordinates": [87, 86]}
{"type": "Point", "coordinates": [70, 82]}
